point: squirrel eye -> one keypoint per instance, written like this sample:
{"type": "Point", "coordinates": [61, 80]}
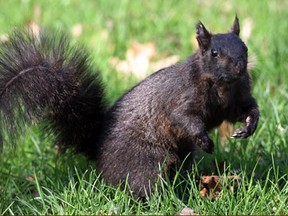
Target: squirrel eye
{"type": "Point", "coordinates": [214, 52]}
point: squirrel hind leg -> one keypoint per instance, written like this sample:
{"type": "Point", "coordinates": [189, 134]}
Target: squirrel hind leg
{"type": "Point", "coordinates": [139, 167]}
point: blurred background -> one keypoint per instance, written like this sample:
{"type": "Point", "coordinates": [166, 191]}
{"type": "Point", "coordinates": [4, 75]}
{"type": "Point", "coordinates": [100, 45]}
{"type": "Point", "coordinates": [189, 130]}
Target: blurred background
{"type": "Point", "coordinates": [134, 38]}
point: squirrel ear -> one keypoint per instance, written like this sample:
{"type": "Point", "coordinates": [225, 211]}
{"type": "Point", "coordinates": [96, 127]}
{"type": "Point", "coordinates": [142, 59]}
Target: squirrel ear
{"type": "Point", "coordinates": [236, 27]}
{"type": "Point", "coordinates": [203, 37]}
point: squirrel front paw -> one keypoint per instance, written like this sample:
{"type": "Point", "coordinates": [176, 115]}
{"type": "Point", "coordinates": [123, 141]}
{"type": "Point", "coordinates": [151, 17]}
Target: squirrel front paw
{"type": "Point", "coordinates": [242, 132]}
{"type": "Point", "coordinates": [247, 130]}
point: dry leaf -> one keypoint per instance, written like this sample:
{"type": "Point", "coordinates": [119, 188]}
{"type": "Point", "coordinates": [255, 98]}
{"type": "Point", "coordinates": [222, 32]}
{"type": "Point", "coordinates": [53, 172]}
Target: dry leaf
{"type": "Point", "coordinates": [246, 29]}
{"type": "Point", "coordinates": [32, 25]}
{"type": "Point", "coordinates": [34, 28]}
{"type": "Point", "coordinates": [170, 60]}
{"type": "Point", "coordinates": [36, 13]}
{"type": "Point", "coordinates": [212, 185]}
{"type": "Point", "coordinates": [29, 178]}
{"type": "Point", "coordinates": [77, 30]}
{"type": "Point", "coordinates": [204, 192]}
{"type": "Point", "coordinates": [138, 60]}
{"type": "Point", "coordinates": [4, 38]}
{"type": "Point", "coordinates": [225, 130]}
{"type": "Point", "coordinates": [187, 211]}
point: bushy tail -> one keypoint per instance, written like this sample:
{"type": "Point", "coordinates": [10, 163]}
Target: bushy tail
{"type": "Point", "coordinates": [44, 77]}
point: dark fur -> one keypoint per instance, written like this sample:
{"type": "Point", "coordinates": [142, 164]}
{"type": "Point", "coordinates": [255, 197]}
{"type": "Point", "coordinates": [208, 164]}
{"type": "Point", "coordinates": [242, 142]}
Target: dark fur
{"type": "Point", "coordinates": [46, 78]}
{"type": "Point", "coordinates": [157, 123]}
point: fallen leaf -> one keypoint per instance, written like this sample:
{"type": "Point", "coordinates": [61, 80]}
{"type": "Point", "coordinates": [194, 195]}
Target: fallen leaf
{"type": "Point", "coordinates": [204, 192]}
{"type": "Point", "coordinates": [187, 211]}
{"type": "Point", "coordinates": [32, 25]}
{"type": "Point", "coordinates": [225, 130]}
{"type": "Point", "coordinates": [29, 178]}
{"type": "Point", "coordinates": [170, 60]}
{"type": "Point", "coordinates": [34, 28]}
{"type": "Point", "coordinates": [77, 30]}
{"type": "Point", "coordinates": [212, 185]}
{"type": "Point", "coordinates": [36, 13]}
{"type": "Point", "coordinates": [246, 29]}
{"type": "Point", "coordinates": [4, 38]}
{"type": "Point", "coordinates": [139, 60]}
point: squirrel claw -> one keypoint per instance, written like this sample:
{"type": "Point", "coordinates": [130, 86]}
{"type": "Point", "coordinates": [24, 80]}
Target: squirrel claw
{"type": "Point", "coordinates": [242, 132]}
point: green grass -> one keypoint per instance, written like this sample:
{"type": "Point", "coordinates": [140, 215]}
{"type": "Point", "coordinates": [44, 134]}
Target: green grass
{"type": "Point", "coordinates": [34, 180]}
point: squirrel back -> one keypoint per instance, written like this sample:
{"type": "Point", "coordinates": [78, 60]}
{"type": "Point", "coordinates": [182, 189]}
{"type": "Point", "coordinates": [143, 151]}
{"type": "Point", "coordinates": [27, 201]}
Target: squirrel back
{"type": "Point", "coordinates": [153, 126]}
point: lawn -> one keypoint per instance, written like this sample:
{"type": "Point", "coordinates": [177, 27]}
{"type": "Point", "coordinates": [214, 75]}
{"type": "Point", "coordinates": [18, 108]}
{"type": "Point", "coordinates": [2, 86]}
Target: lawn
{"type": "Point", "coordinates": [34, 179]}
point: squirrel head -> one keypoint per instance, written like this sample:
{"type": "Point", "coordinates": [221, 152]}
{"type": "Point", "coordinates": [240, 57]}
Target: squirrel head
{"type": "Point", "coordinates": [222, 56]}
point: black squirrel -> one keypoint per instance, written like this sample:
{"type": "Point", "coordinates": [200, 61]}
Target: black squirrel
{"type": "Point", "coordinates": [156, 123]}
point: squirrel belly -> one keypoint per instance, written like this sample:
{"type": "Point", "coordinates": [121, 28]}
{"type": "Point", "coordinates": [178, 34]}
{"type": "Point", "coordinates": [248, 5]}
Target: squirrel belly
{"type": "Point", "coordinates": [152, 127]}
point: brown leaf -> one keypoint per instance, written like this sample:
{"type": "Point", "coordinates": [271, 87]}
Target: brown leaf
{"type": "Point", "coordinates": [139, 60]}
{"type": "Point", "coordinates": [212, 185]}
{"type": "Point", "coordinates": [225, 130]}
{"type": "Point", "coordinates": [204, 192]}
